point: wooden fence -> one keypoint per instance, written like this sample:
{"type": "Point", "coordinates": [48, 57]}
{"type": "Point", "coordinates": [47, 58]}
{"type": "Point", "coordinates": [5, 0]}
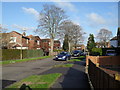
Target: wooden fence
{"type": "Point", "coordinates": [100, 79]}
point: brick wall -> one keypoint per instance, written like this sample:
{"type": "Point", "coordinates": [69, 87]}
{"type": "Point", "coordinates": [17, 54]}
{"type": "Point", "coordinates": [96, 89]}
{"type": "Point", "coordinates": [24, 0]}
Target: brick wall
{"type": "Point", "coordinates": [24, 42]}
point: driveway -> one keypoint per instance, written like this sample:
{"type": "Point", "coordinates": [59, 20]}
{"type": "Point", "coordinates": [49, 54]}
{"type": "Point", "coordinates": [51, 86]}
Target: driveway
{"type": "Point", "coordinates": [15, 72]}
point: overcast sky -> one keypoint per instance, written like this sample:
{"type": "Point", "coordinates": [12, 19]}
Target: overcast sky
{"type": "Point", "coordinates": [91, 16]}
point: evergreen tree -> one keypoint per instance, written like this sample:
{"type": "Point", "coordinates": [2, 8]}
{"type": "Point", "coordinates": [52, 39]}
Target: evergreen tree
{"type": "Point", "coordinates": [118, 36]}
{"type": "Point", "coordinates": [65, 43]}
{"type": "Point", "coordinates": [91, 43]}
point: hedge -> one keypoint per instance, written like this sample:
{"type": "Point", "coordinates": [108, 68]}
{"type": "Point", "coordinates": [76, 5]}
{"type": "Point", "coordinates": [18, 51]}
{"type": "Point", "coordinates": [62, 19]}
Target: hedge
{"type": "Point", "coordinates": [96, 51]}
{"type": "Point", "coordinates": [13, 54]}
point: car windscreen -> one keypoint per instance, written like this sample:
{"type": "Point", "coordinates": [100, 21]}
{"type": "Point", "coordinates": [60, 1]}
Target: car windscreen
{"type": "Point", "coordinates": [76, 51]}
{"type": "Point", "coordinates": [63, 53]}
{"type": "Point", "coordinates": [110, 51]}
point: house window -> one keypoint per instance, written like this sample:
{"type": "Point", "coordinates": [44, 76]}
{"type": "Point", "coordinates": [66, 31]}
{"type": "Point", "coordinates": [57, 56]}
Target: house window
{"type": "Point", "coordinates": [38, 42]}
{"type": "Point", "coordinates": [27, 41]}
{"type": "Point", "coordinates": [12, 39]}
{"type": "Point", "coordinates": [49, 43]}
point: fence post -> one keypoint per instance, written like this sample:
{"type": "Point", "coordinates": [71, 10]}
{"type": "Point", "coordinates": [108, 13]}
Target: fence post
{"type": "Point", "coordinates": [97, 61]}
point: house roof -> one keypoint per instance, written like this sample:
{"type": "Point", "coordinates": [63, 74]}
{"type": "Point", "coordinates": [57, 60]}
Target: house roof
{"type": "Point", "coordinates": [33, 37]}
{"type": "Point", "coordinates": [17, 45]}
{"type": "Point", "coordinates": [20, 34]}
{"type": "Point", "coordinates": [114, 38]}
{"type": "Point", "coordinates": [16, 32]}
{"type": "Point", "coordinates": [56, 41]}
{"type": "Point", "coordinates": [45, 39]}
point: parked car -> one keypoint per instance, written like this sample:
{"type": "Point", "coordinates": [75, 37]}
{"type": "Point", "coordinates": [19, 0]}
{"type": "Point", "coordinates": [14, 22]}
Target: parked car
{"type": "Point", "coordinates": [111, 53]}
{"type": "Point", "coordinates": [83, 54]}
{"type": "Point", "coordinates": [76, 53]}
{"type": "Point", "coordinates": [63, 56]}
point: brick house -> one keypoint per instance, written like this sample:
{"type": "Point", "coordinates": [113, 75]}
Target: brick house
{"type": "Point", "coordinates": [34, 42]}
{"type": "Point", "coordinates": [101, 45]}
{"type": "Point", "coordinates": [56, 44]}
{"type": "Point", "coordinates": [79, 47]}
{"type": "Point", "coordinates": [46, 44]}
{"type": "Point", "coordinates": [115, 41]}
{"type": "Point", "coordinates": [18, 41]}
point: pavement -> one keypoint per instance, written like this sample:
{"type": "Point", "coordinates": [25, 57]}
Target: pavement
{"type": "Point", "coordinates": [73, 77]}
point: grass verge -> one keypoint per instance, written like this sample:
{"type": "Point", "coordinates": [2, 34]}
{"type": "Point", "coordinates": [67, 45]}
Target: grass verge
{"type": "Point", "coordinates": [38, 81]}
{"type": "Point", "coordinates": [73, 60]}
{"type": "Point", "coordinates": [82, 57]}
{"type": "Point", "coordinates": [65, 65]}
{"type": "Point", "coordinates": [22, 60]}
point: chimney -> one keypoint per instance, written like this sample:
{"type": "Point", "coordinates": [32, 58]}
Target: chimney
{"type": "Point", "coordinates": [24, 34]}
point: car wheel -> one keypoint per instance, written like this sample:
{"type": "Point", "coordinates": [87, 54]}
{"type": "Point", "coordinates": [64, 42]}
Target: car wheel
{"type": "Point", "coordinates": [69, 58]}
{"type": "Point", "coordinates": [66, 59]}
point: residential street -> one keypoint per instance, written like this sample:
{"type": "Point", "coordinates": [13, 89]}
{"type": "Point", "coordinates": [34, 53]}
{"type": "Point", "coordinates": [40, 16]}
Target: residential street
{"type": "Point", "coordinates": [15, 72]}
{"type": "Point", "coordinates": [73, 77]}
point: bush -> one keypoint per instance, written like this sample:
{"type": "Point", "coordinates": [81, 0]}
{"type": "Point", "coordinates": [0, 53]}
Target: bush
{"type": "Point", "coordinates": [96, 51]}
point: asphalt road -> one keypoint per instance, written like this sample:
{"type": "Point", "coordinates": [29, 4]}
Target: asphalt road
{"type": "Point", "coordinates": [15, 72]}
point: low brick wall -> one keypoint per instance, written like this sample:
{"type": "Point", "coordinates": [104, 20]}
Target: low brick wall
{"type": "Point", "coordinates": [104, 60]}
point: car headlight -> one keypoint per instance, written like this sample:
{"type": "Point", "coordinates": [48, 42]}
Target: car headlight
{"type": "Point", "coordinates": [56, 56]}
{"type": "Point", "coordinates": [64, 57]}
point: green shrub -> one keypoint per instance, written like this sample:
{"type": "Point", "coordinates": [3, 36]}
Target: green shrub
{"type": "Point", "coordinates": [96, 51]}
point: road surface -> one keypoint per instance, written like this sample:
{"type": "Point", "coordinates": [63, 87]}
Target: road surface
{"type": "Point", "coordinates": [15, 72]}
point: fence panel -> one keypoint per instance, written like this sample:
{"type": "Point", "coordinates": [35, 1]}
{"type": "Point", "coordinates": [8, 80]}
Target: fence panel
{"type": "Point", "coordinates": [101, 79]}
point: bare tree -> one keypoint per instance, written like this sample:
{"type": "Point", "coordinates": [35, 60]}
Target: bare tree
{"type": "Point", "coordinates": [78, 35]}
{"type": "Point", "coordinates": [5, 40]}
{"type": "Point", "coordinates": [2, 29]}
{"type": "Point", "coordinates": [50, 19]}
{"type": "Point", "coordinates": [4, 37]}
{"type": "Point", "coordinates": [104, 36]}
{"type": "Point", "coordinates": [74, 32]}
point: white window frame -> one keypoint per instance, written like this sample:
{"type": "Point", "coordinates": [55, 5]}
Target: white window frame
{"type": "Point", "coordinates": [27, 41]}
{"type": "Point", "coordinates": [38, 42]}
{"type": "Point", "coordinates": [13, 39]}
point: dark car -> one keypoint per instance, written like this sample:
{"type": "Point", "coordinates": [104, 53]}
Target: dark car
{"type": "Point", "coordinates": [83, 54]}
{"type": "Point", "coordinates": [63, 56]}
{"type": "Point", "coordinates": [76, 53]}
{"type": "Point", "coordinates": [111, 53]}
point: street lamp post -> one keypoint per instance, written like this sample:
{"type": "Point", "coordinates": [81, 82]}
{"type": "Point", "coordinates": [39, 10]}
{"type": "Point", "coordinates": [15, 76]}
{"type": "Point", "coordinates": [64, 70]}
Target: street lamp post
{"type": "Point", "coordinates": [21, 51]}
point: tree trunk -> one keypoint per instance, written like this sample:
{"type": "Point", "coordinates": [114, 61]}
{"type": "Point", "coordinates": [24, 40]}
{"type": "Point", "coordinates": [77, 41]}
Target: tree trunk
{"type": "Point", "coordinates": [51, 46]}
